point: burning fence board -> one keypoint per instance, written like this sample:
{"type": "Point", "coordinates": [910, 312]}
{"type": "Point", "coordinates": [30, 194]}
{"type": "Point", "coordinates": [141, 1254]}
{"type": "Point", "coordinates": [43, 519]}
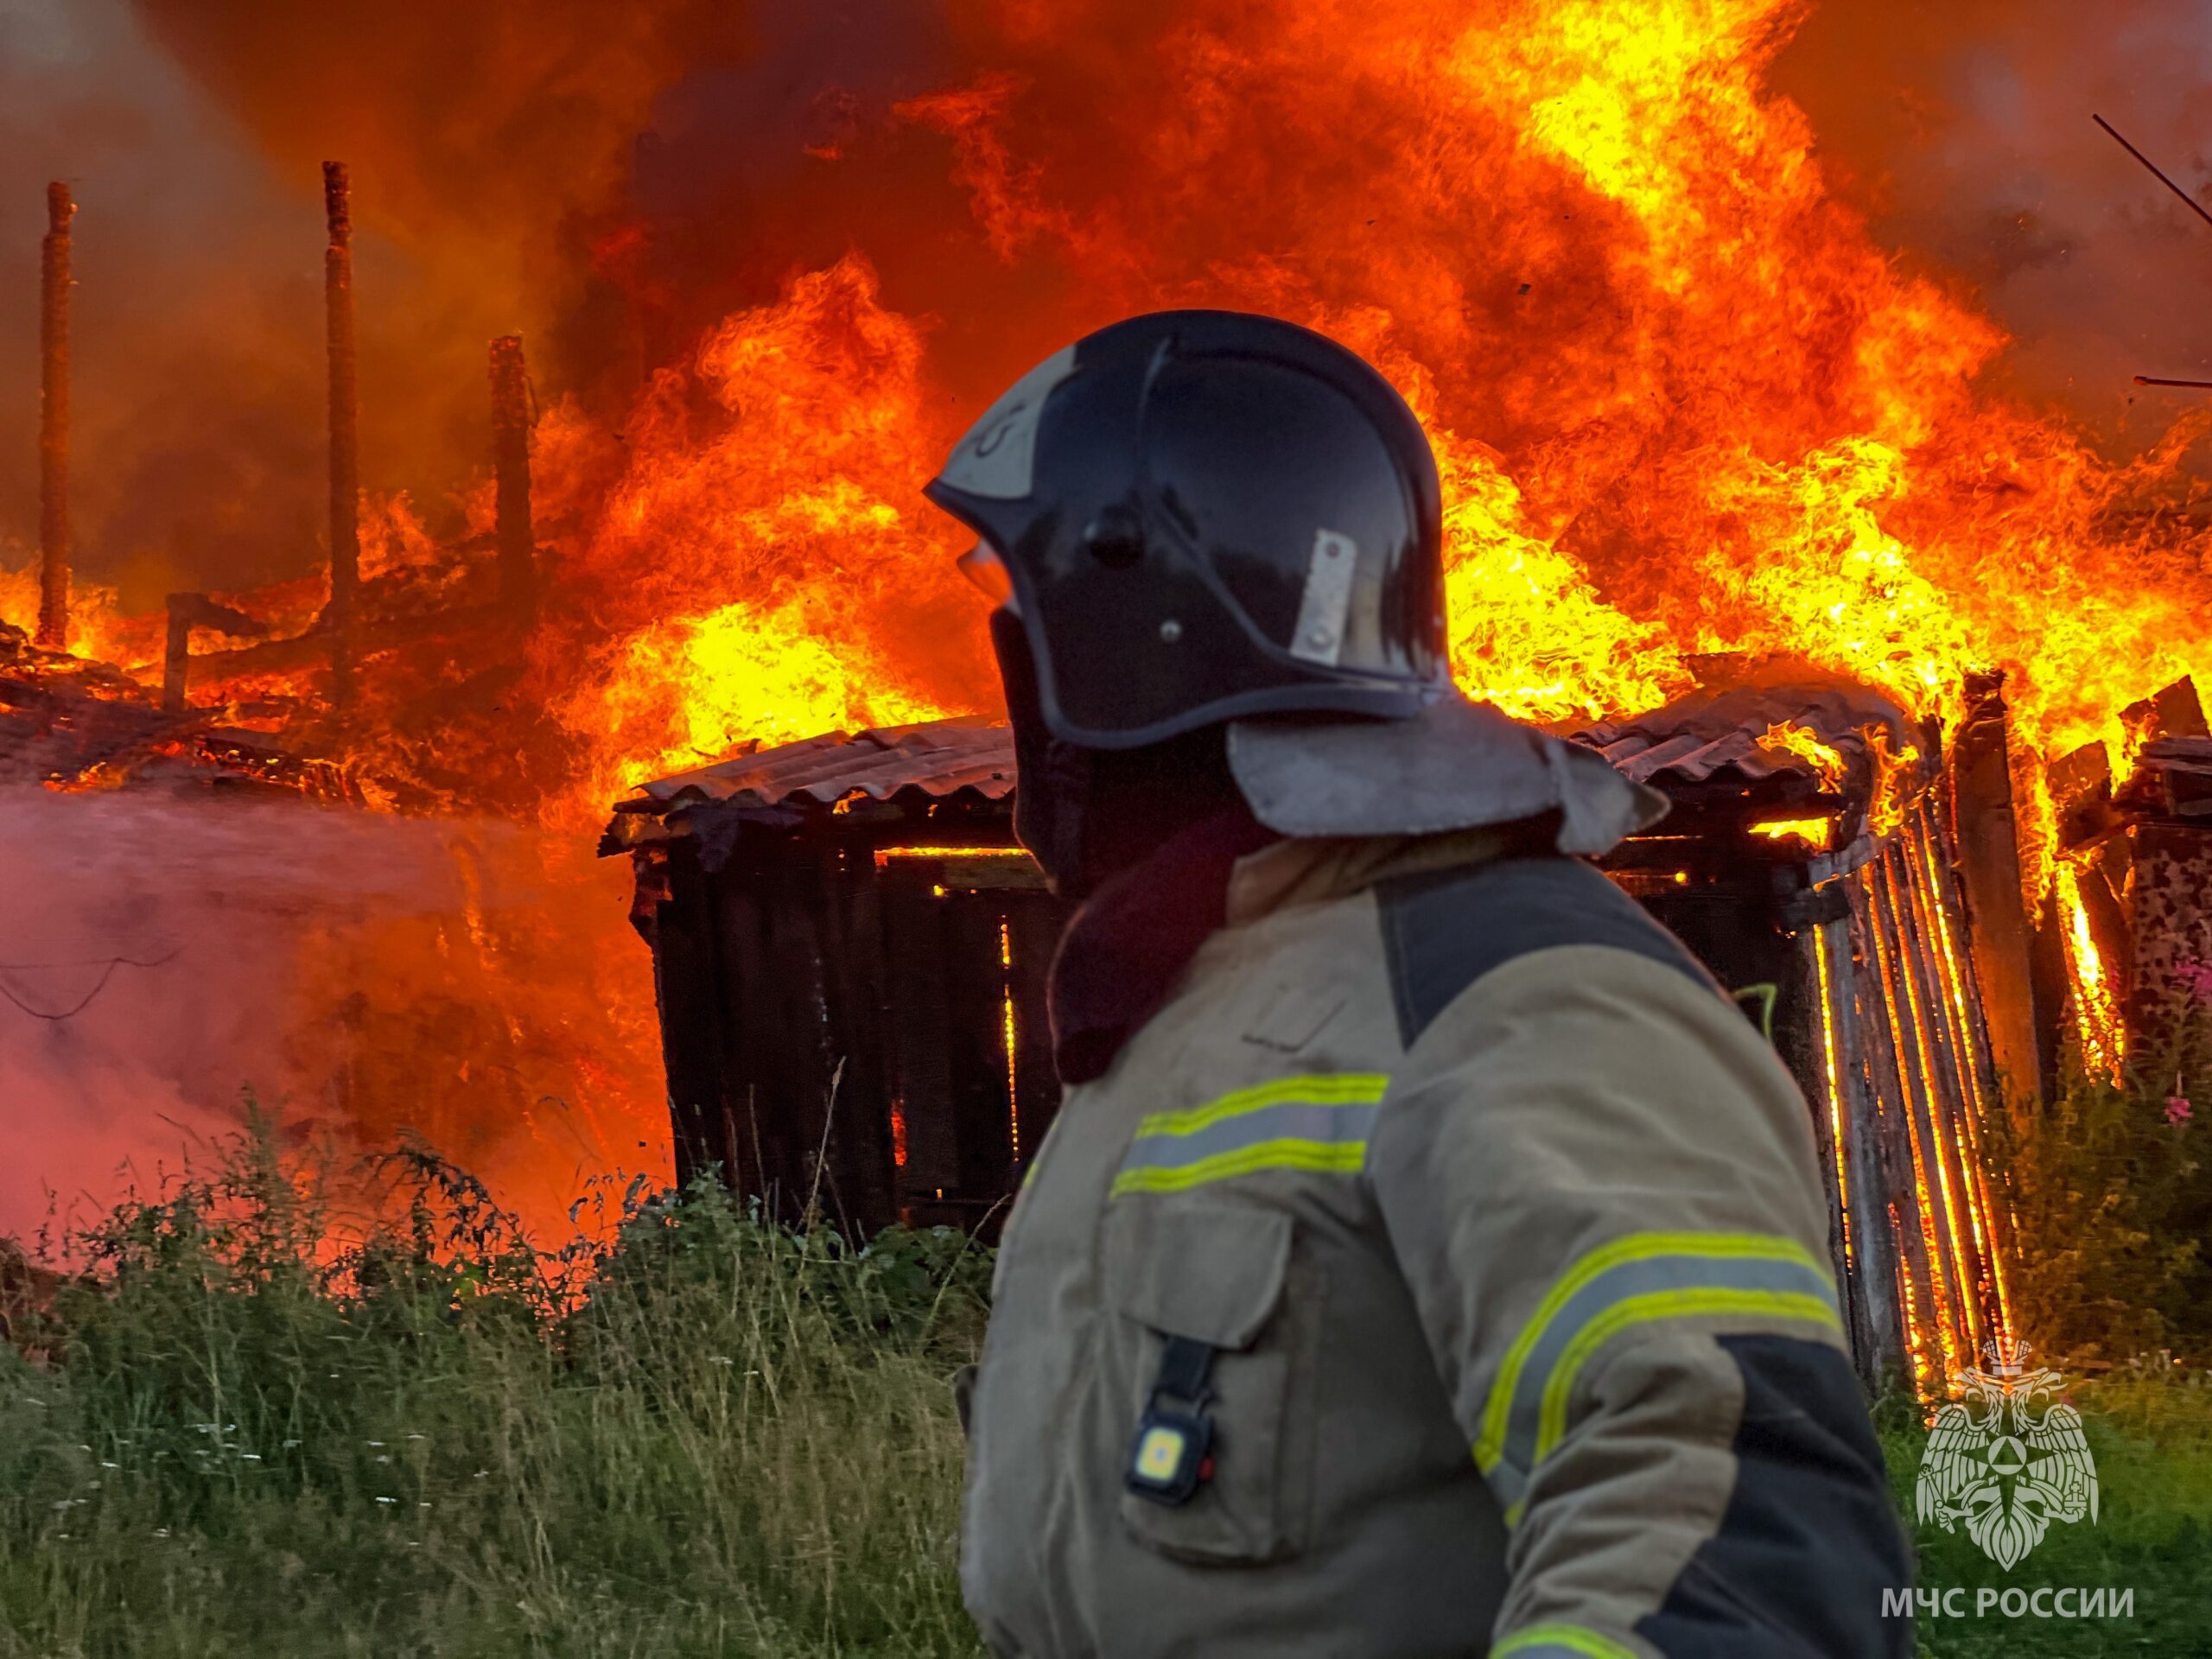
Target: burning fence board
{"type": "Point", "coordinates": [2133, 910]}
{"type": "Point", "coordinates": [851, 954]}
{"type": "Point", "coordinates": [1810, 851]}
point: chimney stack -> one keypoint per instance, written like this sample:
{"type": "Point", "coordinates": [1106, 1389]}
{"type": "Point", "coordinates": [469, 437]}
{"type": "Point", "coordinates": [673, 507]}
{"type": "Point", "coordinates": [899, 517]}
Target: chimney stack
{"type": "Point", "coordinates": [345, 480]}
{"type": "Point", "coordinates": [517, 541]}
{"type": "Point", "coordinates": [54, 424]}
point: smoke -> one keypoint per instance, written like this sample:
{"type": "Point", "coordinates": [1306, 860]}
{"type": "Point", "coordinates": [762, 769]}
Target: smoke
{"type": "Point", "coordinates": [1965, 132]}
{"type": "Point", "coordinates": [361, 977]}
{"type": "Point", "coordinates": [612, 180]}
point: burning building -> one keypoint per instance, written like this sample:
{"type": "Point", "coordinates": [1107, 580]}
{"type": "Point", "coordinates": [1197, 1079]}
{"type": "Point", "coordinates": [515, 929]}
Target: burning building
{"type": "Point", "coordinates": [1685, 403]}
{"type": "Point", "coordinates": [851, 954]}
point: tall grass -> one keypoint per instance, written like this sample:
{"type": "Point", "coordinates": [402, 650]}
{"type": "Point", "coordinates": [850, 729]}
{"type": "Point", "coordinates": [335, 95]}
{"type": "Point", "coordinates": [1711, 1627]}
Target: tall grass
{"type": "Point", "coordinates": [235, 1435]}
{"type": "Point", "coordinates": [238, 1426]}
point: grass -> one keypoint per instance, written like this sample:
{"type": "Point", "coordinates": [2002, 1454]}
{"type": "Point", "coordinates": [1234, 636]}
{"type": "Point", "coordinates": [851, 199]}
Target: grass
{"type": "Point", "coordinates": [232, 1431]}
{"type": "Point", "coordinates": [2150, 1429]}
{"type": "Point", "coordinates": [252, 1440]}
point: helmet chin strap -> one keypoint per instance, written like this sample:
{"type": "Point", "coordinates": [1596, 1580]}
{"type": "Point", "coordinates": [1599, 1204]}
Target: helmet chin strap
{"type": "Point", "coordinates": [1087, 814]}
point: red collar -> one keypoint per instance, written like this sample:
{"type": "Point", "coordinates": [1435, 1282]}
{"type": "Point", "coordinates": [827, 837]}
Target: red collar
{"type": "Point", "coordinates": [1126, 946]}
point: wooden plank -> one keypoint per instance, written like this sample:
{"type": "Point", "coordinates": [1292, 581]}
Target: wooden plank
{"type": "Point", "coordinates": [859, 1135]}
{"type": "Point", "coordinates": [1804, 1043]}
{"type": "Point", "coordinates": [921, 1068]}
{"type": "Point", "coordinates": [1909, 1042]}
{"type": "Point", "coordinates": [2022, 1032]}
{"type": "Point", "coordinates": [1984, 1123]}
{"type": "Point", "coordinates": [1949, 1082]}
{"type": "Point", "coordinates": [1880, 1342]}
{"type": "Point", "coordinates": [689, 991]}
{"type": "Point", "coordinates": [1892, 1127]}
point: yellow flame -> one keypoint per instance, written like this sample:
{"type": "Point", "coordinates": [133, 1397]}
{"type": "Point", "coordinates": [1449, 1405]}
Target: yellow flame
{"type": "Point", "coordinates": [1924, 1370]}
{"type": "Point", "coordinates": [1816, 833]}
{"type": "Point", "coordinates": [1833, 1068]}
{"type": "Point", "coordinates": [1013, 1089]}
{"type": "Point", "coordinates": [1804, 743]}
{"type": "Point", "coordinates": [2096, 1012]}
{"type": "Point", "coordinates": [1892, 780]}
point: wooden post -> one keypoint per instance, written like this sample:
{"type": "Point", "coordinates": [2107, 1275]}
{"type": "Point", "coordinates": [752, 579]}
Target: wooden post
{"type": "Point", "coordinates": [345, 459]}
{"type": "Point", "coordinates": [2020, 1032]}
{"type": "Point", "coordinates": [53, 423]}
{"type": "Point", "coordinates": [517, 544]}
{"type": "Point", "coordinates": [1866, 1184]}
{"type": "Point", "coordinates": [1893, 1131]}
{"type": "Point", "coordinates": [186, 612]}
{"type": "Point", "coordinates": [176, 654]}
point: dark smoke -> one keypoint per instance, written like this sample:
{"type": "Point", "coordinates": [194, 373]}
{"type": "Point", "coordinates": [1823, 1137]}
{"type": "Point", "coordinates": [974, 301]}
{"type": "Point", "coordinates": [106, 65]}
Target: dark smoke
{"type": "Point", "coordinates": [1964, 129]}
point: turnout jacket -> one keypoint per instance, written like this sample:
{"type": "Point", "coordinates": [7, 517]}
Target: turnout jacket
{"type": "Point", "coordinates": [1490, 1235]}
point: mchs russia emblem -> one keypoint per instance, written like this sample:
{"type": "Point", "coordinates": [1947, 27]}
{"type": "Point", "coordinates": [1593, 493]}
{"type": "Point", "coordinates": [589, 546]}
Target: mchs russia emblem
{"type": "Point", "coordinates": [2007, 1460]}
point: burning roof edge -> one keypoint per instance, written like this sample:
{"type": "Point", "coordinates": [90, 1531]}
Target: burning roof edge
{"type": "Point", "coordinates": [937, 757]}
{"type": "Point", "coordinates": [1715, 741]}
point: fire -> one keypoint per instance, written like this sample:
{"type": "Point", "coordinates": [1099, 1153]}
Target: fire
{"type": "Point", "coordinates": [1682, 403]}
{"type": "Point", "coordinates": [1839, 1111]}
{"type": "Point", "coordinates": [766, 567]}
{"type": "Point", "coordinates": [1009, 1034]}
{"type": "Point", "coordinates": [699, 686]}
{"type": "Point", "coordinates": [2096, 1010]}
{"type": "Point", "coordinates": [1816, 833]}
{"type": "Point", "coordinates": [1893, 781]}
{"type": "Point", "coordinates": [1789, 738]}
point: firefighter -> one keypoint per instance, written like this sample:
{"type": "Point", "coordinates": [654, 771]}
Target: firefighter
{"type": "Point", "coordinates": [1428, 1259]}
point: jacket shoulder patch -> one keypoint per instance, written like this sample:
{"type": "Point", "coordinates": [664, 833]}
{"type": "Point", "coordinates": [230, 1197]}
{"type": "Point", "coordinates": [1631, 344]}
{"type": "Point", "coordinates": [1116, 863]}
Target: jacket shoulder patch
{"type": "Point", "coordinates": [1444, 930]}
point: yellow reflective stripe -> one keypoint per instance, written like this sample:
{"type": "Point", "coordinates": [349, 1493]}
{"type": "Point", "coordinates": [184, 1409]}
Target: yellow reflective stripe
{"type": "Point", "coordinates": [1665, 1304]}
{"type": "Point", "coordinates": [1547, 1641]}
{"type": "Point", "coordinates": [1489, 1444]}
{"type": "Point", "coordinates": [1342, 1088]}
{"type": "Point", "coordinates": [1334, 1156]}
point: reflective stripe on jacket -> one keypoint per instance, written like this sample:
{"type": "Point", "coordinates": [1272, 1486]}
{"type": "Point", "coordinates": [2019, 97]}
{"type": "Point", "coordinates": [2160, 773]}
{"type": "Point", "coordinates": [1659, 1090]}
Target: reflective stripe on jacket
{"type": "Point", "coordinates": [1505, 1232]}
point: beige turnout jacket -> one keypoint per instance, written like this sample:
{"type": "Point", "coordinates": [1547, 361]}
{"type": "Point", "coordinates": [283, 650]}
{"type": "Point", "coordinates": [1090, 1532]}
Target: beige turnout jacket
{"type": "Point", "coordinates": [1500, 1232]}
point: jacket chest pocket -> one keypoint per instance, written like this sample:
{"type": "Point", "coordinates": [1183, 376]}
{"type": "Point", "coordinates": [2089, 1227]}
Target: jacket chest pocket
{"type": "Point", "coordinates": [1181, 1277]}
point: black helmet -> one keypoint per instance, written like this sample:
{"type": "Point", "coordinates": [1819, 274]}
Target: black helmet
{"type": "Point", "coordinates": [1203, 515]}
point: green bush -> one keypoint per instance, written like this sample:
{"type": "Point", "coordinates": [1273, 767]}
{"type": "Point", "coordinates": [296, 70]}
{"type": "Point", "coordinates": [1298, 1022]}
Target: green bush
{"type": "Point", "coordinates": [233, 1432]}
{"type": "Point", "coordinates": [2110, 1195]}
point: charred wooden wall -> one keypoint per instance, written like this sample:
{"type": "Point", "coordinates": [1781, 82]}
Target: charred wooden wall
{"type": "Point", "coordinates": [850, 1027]}
{"type": "Point", "coordinates": [854, 1020]}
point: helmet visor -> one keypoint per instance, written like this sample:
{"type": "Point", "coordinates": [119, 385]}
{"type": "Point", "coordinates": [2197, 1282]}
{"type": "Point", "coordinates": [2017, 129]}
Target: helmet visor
{"type": "Point", "coordinates": [988, 574]}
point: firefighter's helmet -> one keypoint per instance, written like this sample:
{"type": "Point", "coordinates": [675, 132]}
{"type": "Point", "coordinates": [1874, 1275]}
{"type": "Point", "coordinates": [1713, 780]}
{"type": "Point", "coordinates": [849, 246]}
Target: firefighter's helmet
{"type": "Point", "coordinates": [1203, 515]}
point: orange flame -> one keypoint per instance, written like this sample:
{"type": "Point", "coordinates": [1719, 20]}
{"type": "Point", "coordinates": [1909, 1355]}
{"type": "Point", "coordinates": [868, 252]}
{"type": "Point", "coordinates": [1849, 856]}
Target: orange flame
{"type": "Point", "coordinates": [1791, 739]}
{"type": "Point", "coordinates": [1816, 833]}
{"type": "Point", "coordinates": [2096, 1010]}
{"type": "Point", "coordinates": [1893, 780]}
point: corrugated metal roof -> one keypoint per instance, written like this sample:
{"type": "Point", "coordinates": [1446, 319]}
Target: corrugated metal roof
{"type": "Point", "coordinates": [1706, 737]}
{"type": "Point", "coordinates": [937, 757]}
{"type": "Point", "coordinates": [1713, 735]}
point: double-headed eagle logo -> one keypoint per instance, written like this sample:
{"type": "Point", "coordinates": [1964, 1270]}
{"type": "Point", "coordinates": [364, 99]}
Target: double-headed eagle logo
{"type": "Point", "coordinates": [2005, 1469]}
